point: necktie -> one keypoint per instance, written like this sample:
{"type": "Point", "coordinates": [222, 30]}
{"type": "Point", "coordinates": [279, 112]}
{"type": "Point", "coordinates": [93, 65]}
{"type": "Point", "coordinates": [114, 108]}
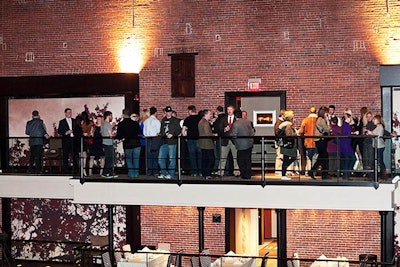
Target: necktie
{"type": "Point", "coordinates": [230, 121]}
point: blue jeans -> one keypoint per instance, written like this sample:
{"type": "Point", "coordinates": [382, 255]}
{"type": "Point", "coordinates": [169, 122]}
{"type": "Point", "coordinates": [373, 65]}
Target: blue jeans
{"type": "Point", "coordinates": [109, 160]}
{"type": "Point", "coordinates": [194, 157]}
{"type": "Point", "coordinates": [347, 162]}
{"type": "Point", "coordinates": [152, 158]}
{"type": "Point", "coordinates": [381, 163]}
{"type": "Point", "coordinates": [310, 152]}
{"type": "Point", "coordinates": [132, 157]}
{"type": "Point", "coordinates": [167, 153]}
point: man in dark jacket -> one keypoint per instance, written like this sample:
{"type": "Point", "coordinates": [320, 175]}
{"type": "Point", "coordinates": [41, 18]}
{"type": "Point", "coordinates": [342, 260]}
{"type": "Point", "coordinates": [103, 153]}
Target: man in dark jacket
{"type": "Point", "coordinates": [36, 130]}
{"type": "Point", "coordinates": [128, 131]}
{"type": "Point", "coordinates": [170, 130]}
{"type": "Point", "coordinates": [65, 127]}
{"type": "Point", "coordinates": [279, 156]}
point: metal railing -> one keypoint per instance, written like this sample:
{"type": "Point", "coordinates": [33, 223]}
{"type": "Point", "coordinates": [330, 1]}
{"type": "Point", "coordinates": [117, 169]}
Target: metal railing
{"type": "Point", "coordinates": [263, 159]}
{"type": "Point", "coordinates": [181, 258]}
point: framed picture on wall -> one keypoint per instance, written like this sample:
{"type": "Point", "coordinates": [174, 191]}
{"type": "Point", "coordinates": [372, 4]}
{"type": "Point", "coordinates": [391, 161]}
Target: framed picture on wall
{"type": "Point", "coordinates": [264, 118]}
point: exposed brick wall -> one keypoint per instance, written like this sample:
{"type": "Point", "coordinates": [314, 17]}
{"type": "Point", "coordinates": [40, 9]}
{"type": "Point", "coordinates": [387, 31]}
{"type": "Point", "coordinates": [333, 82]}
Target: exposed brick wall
{"type": "Point", "coordinates": [179, 227]}
{"type": "Point", "coordinates": [319, 52]}
{"type": "Point", "coordinates": [312, 233]}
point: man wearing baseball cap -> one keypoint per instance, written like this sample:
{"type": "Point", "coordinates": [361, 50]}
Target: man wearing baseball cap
{"type": "Point", "coordinates": [169, 131]}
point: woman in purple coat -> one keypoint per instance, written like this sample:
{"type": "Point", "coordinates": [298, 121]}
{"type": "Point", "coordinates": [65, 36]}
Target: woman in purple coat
{"type": "Point", "coordinates": [347, 156]}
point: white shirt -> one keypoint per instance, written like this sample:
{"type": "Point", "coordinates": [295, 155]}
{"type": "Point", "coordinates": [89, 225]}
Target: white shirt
{"type": "Point", "coordinates": [231, 118]}
{"type": "Point", "coordinates": [69, 121]}
{"type": "Point", "coordinates": [151, 126]}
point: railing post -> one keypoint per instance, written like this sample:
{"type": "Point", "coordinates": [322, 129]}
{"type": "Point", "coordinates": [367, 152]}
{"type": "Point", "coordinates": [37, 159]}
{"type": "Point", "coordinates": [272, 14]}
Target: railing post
{"type": "Point", "coordinates": [81, 158]}
{"type": "Point", "coordinates": [145, 155]}
{"type": "Point", "coordinates": [219, 156]}
{"type": "Point", "coordinates": [201, 228]}
{"type": "Point", "coordinates": [262, 159]}
{"type": "Point", "coordinates": [111, 230]}
{"type": "Point", "coordinates": [338, 159]}
{"type": "Point", "coordinates": [179, 160]}
{"type": "Point", "coordinates": [375, 141]}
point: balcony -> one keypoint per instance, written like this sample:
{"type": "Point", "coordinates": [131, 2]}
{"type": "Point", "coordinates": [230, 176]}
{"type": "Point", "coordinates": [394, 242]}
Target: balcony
{"type": "Point", "coordinates": [263, 190]}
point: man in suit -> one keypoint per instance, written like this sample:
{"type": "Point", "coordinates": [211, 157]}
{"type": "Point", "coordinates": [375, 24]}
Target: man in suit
{"type": "Point", "coordinates": [65, 127]}
{"type": "Point", "coordinates": [218, 116]}
{"type": "Point", "coordinates": [224, 129]}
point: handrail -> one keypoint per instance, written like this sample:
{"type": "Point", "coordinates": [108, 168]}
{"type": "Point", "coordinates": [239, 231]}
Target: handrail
{"type": "Point", "coordinates": [263, 157]}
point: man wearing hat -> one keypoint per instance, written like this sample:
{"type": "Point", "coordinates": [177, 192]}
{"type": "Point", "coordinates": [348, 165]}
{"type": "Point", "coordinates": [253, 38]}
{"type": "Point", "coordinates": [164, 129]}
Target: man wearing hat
{"type": "Point", "coordinates": [169, 131]}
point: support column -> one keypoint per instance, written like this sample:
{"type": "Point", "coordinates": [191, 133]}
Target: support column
{"type": "Point", "coordinates": [387, 235]}
{"type": "Point", "coordinates": [201, 228]}
{"type": "Point", "coordinates": [111, 231]}
{"type": "Point", "coordinates": [133, 230]}
{"type": "Point", "coordinates": [5, 239]}
{"type": "Point", "coordinates": [281, 237]}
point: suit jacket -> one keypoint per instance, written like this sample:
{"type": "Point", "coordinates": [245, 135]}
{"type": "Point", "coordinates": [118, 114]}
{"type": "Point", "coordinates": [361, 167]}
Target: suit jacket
{"type": "Point", "coordinates": [36, 130]}
{"type": "Point", "coordinates": [63, 128]}
{"type": "Point", "coordinates": [220, 129]}
{"type": "Point", "coordinates": [240, 128]}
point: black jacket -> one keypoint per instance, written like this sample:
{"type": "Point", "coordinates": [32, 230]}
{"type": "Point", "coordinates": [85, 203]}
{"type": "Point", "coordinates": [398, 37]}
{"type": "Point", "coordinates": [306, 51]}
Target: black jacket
{"type": "Point", "coordinates": [129, 130]}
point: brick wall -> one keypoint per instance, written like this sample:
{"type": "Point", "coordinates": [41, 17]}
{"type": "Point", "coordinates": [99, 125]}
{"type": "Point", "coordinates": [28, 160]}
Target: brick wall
{"type": "Point", "coordinates": [179, 227]}
{"type": "Point", "coordinates": [312, 233]}
{"type": "Point", "coordinates": [319, 52]}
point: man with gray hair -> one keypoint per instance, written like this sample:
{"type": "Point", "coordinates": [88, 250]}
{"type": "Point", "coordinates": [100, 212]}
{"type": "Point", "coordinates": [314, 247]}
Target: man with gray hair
{"type": "Point", "coordinates": [242, 128]}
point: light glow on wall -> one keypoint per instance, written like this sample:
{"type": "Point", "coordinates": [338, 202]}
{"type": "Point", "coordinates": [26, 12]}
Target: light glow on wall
{"type": "Point", "coordinates": [382, 31]}
{"type": "Point", "coordinates": [130, 55]}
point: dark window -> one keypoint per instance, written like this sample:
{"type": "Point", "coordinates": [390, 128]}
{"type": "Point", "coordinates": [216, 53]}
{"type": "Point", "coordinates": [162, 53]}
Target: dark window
{"type": "Point", "coordinates": [182, 75]}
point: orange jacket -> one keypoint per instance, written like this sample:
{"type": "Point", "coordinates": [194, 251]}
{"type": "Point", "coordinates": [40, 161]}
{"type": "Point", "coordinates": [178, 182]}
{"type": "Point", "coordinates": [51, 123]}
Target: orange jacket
{"type": "Point", "coordinates": [307, 128]}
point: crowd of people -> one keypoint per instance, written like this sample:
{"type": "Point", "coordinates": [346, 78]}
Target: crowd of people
{"type": "Point", "coordinates": [210, 137]}
{"type": "Point", "coordinates": [331, 144]}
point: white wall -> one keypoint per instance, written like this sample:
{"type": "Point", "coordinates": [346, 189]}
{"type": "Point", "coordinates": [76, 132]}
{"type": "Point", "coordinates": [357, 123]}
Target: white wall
{"type": "Point", "coordinates": [246, 231]}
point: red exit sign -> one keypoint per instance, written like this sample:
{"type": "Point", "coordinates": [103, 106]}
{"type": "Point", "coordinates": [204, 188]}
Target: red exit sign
{"type": "Point", "coordinates": [254, 84]}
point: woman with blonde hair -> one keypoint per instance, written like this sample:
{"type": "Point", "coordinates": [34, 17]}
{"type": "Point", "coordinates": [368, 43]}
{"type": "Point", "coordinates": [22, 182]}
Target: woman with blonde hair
{"type": "Point", "coordinates": [322, 129]}
{"type": "Point", "coordinates": [379, 143]}
{"type": "Point", "coordinates": [96, 147]}
{"type": "Point", "coordinates": [289, 150]}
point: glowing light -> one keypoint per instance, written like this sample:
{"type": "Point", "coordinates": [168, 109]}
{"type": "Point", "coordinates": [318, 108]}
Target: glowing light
{"type": "Point", "coordinates": [380, 25]}
{"type": "Point", "coordinates": [130, 57]}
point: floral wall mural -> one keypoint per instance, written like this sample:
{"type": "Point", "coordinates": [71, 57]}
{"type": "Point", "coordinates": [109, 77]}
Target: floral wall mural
{"type": "Point", "coordinates": [50, 228]}
{"type": "Point", "coordinates": [51, 111]}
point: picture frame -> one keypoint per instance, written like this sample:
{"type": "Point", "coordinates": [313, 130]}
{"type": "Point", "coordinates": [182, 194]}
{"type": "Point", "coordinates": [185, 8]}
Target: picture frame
{"type": "Point", "coordinates": [264, 118]}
